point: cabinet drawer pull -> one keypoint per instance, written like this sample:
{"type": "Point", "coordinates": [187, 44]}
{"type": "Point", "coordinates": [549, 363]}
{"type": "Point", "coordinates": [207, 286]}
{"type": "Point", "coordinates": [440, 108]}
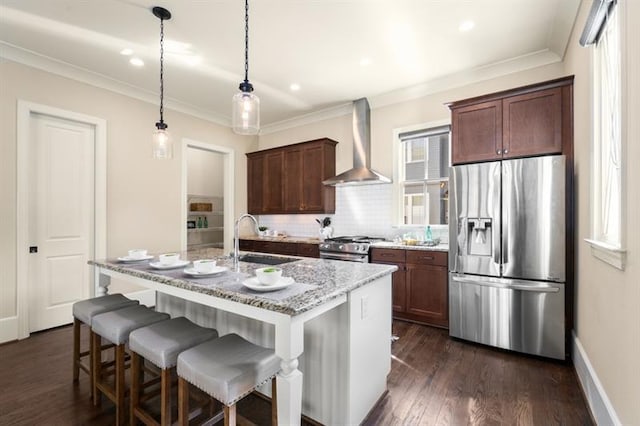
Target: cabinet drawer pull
{"type": "Point", "coordinates": [386, 254]}
{"type": "Point", "coordinates": [427, 257]}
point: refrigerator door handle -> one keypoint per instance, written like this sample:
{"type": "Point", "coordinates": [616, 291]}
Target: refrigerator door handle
{"type": "Point", "coordinates": [538, 288]}
{"type": "Point", "coordinates": [506, 208]}
{"type": "Point", "coordinates": [495, 190]}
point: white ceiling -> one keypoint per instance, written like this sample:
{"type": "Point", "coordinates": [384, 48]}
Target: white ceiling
{"type": "Point", "coordinates": [318, 44]}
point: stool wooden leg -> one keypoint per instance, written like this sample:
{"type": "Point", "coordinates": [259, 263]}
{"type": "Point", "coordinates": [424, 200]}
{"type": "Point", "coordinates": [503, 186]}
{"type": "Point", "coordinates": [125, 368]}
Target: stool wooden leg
{"type": "Point", "coordinates": [274, 404]}
{"type": "Point", "coordinates": [183, 402]}
{"type": "Point", "coordinates": [96, 367]}
{"type": "Point", "coordinates": [165, 397]}
{"type": "Point", "coordinates": [76, 350]}
{"type": "Point", "coordinates": [120, 385]}
{"type": "Point", "coordinates": [135, 386]}
{"type": "Point", "coordinates": [92, 350]}
{"type": "Point", "coordinates": [230, 415]}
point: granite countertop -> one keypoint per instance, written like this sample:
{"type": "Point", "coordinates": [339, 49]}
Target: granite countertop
{"type": "Point", "coordinates": [392, 245]}
{"type": "Point", "coordinates": [317, 281]}
{"type": "Point", "coordinates": [281, 239]}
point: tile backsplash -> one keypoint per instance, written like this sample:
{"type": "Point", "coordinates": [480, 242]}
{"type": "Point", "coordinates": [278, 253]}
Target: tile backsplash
{"type": "Point", "coordinates": [360, 210]}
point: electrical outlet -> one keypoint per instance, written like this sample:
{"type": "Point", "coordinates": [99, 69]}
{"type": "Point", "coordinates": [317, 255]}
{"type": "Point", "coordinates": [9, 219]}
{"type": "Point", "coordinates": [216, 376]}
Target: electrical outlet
{"type": "Point", "coordinates": [364, 307]}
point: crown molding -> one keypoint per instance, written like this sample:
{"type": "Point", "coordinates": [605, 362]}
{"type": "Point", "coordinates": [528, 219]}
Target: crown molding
{"type": "Point", "coordinates": [464, 78]}
{"type": "Point", "coordinates": [467, 77]}
{"type": "Point", "coordinates": [32, 59]}
{"type": "Point", "coordinates": [309, 118]}
{"type": "Point", "coordinates": [451, 81]}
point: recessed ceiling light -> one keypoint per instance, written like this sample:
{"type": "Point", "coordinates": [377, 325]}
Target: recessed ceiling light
{"type": "Point", "coordinates": [136, 62]}
{"type": "Point", "coordinates": [126, 52]}
{"type": "Point", "coordinates": [364, 62]}
{"type": "Point", "coordinates": [466, 26]}
{"type": "Point", "coordinates": [294, 87]}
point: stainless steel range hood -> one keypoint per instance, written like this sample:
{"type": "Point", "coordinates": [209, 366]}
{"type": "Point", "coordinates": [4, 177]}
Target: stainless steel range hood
{"type": "Point", "coordinates": [361, 173]}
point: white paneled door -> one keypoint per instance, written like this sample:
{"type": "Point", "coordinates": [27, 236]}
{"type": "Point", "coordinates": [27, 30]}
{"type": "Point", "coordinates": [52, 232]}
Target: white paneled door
{"type": "Point", "coordinates": [61, 218]}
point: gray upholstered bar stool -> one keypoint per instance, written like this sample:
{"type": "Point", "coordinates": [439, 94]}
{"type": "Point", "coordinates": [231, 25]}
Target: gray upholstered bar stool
{"type": "Point", "coordinates": [160, 344]}
{"type": "Point", "coordinates": [115, 326]}
{"type": "Point", "coordinates": [227, 369]}
{"type": "Point", "coordinates": [83, 313]}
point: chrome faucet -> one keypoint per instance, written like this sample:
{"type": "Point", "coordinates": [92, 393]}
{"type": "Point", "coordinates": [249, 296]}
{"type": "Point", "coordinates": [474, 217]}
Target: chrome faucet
{"type": "Point", "coordinates": [236, 238]}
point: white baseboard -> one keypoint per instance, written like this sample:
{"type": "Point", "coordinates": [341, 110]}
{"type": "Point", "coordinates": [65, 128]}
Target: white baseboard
{"type": "Point", "coordinates": [597, 399]}
{"type": "Point", "coordinates": [145, 297]}
{"type": "Point", "coordinates": [8, 329]}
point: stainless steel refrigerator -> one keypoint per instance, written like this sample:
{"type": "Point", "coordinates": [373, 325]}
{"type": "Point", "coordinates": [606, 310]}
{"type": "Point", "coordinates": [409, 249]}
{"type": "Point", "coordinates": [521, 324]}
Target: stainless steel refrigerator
{"type": "Point", "coordinates": [507, 254]}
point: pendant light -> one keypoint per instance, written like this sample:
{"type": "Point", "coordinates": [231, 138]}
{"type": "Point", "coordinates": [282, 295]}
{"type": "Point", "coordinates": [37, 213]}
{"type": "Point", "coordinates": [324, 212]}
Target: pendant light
{"type": "Point", "coordinates": [246, 105]}
{"type": "Point", "coordinates": [162, 147]}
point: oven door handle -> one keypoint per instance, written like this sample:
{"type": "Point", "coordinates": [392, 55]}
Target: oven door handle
{"type": "Point", "coordinates": [344, 256]}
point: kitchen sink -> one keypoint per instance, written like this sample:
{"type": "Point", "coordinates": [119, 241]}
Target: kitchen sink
{"type": "Point", "coordinates": [266, 260]}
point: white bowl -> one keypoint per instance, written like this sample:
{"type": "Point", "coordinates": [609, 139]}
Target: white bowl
{"type": "Point", "coordinates": [269, 275]}
{"type": "Point", "coordinates": [204, 266]}
{"type": "Point", "coordinates": [137, 253]}
{"type": "Point", "coordinates": [169, 258]}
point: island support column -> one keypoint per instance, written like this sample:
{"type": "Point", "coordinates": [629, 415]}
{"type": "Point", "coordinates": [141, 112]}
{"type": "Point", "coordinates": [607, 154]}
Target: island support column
{"type": "Point", "coordinates": [289, 346]}
{"type": "Point", "coordinates": [103, 281]}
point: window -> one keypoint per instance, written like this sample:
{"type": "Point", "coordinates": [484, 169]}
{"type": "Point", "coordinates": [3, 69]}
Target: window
{"type": "Point", "coordinates": [606, 208]}
{"type": "Point", "coordinates": [423, 176]}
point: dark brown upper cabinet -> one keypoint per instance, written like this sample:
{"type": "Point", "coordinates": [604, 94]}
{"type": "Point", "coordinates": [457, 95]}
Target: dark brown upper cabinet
{"type": "Point", "coordinates": [523, 122]}
{"type": "Point", "coordinates": [288, 179]}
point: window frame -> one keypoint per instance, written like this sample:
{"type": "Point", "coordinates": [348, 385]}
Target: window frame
{"type": "Point", "coordinates": [611, 252]}
{"type": "Point", "coordinates": [398, 182]}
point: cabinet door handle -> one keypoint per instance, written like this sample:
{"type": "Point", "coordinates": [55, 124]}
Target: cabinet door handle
{"type": "Point", "coordinates": [506, 151]}
{"type": "Point", "coordinates": [499, 151]}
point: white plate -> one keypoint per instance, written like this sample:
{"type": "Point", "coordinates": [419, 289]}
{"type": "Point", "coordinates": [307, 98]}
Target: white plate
{"type": "Point", "coordinates": [256, 285]}
{"type": "Point", "coordinates": [134, 259]}
{"type": "Point", "coordinates": [178, 264]}
{"type": "Point", "coordinates": [194, 273]}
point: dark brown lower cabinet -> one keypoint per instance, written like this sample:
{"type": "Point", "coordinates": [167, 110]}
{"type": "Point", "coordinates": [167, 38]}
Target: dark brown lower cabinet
{"type": "Point", "coordinates": [281, 247]}
{"type": "Point", "coordinates": [426, 288]}
{"type": "Point", "coordinates": [420, 285]}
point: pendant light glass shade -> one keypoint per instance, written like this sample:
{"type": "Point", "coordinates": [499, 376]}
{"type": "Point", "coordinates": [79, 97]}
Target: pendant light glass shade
{"type": "Point", "coordinates": [246, 113]}
{"type": "Point", "coordinates": [162, 146]}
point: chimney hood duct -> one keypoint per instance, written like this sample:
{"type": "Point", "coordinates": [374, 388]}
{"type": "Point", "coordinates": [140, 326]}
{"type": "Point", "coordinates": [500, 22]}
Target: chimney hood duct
{"type": "Point", "coordinates": [361, 173]}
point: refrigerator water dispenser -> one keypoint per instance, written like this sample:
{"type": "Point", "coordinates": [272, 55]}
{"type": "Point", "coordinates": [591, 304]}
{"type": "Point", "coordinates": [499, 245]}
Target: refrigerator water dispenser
{"type": "Point", "coordinates": [479, 237]}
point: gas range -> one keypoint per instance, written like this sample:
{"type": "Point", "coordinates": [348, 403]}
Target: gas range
{"type": "Point", "coordinates": [351, 248]}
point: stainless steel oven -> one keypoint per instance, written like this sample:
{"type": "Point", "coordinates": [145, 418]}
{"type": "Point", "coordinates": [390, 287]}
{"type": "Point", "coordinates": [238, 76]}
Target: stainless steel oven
{"type": "Point", "coordinates": [350, 249]}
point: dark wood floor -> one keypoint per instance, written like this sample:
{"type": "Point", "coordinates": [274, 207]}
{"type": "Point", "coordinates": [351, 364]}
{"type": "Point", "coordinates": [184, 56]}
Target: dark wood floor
{"type": "Point", "coordinates": [434, 380]}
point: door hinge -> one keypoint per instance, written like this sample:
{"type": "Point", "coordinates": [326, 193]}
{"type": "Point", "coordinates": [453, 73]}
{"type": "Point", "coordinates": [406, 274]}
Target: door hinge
{"type": "Point", "coordinates": [33, 249]}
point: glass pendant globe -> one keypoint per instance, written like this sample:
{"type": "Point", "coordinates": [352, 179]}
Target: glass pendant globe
{"type": "Point", "coordinates": [162, 146]}
{"type": "Point", "coordinates": [246, 113]}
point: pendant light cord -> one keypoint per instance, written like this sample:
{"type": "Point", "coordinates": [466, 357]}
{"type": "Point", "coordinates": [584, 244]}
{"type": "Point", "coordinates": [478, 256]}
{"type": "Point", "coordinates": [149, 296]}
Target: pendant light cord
{"type": "Point", "coordinates": [246, 40]}
{"type": "Point", "coordinates": [161, 70]}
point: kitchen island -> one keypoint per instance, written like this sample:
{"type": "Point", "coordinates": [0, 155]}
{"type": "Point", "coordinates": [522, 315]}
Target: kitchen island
{"type": "Point", "coordinates": [332, 326]}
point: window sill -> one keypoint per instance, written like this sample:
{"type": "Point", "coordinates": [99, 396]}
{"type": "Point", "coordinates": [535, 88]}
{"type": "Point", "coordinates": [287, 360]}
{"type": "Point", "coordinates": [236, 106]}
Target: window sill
{"type": "Point", "coordinates": [612, 255]}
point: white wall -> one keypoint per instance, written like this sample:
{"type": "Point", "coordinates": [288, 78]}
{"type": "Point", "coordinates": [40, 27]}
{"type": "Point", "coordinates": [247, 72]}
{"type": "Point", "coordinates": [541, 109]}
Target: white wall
{"type": "Point", "coordinates": [607, 299]}
{"type": "Point", "coordinates": [143, 195]}
{"type": "Point", "coordinates": [205, 172]}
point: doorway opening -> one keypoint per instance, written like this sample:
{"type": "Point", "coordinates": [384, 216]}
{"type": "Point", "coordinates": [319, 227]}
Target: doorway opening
{"type": "Point", "coordinates": [207, 193]}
